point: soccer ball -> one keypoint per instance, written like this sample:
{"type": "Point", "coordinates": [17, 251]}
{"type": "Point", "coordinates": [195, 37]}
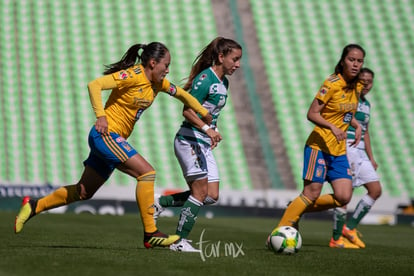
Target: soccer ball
{"type": "Point", "coordinates": [284, 240]}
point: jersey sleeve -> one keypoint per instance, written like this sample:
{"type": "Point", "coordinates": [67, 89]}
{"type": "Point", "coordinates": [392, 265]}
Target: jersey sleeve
{"type": "Point", "coordinates": [325, 91]}
{"type": "Point", "coordinates": [168, 87]}
{"type": "Point", "coordinates": [95, 88]}
{"type": "Point", "coordinates": [185, 97]}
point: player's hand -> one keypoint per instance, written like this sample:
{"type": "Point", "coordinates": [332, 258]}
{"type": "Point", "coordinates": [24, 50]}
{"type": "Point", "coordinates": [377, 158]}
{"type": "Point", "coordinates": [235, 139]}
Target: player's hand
{"type": "Point", "coordinates": [101, 125]}
{"type": "Point", "coordinates": [339, 134]}
{"type": "Point", "coordinates": [214, 136]}
{"type": "Point", "coordinates": [374, 164]}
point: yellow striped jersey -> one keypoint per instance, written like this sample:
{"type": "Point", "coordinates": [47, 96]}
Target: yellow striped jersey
{"type": "Point", "coordinates": [132, 93]}
{"type": "Point", "coordinates": [340, 105]}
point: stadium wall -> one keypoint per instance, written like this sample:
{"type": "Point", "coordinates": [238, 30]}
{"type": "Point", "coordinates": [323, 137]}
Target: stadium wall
{"type": "Point", "coordinates": [258, 203]}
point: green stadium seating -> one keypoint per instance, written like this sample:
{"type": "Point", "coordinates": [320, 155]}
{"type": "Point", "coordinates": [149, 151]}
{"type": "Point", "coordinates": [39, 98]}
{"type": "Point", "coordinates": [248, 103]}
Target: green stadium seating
{"type": "Point", "coordinates": [51, 49]}
{"type": "Point", "coordinates": [301, 42]}
{"type": "Point", "coordinates": [60, 46]}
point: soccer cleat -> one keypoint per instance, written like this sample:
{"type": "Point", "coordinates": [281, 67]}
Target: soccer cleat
{"type": "Point", "coordinates": [27, 211]}
{"type": "Point", "coordinates": [352, 236]}
{"type": "Point", "coordinates": [158, 209]}
{"type": "Point", "coordinates": [342, 243]}
{"type": "Point", "coordinates": [183, 245]}
{"type": "Point", "coordinates": [159, 239]}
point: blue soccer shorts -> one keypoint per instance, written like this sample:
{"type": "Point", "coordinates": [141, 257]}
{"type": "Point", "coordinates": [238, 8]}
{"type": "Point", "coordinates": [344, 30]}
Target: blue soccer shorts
{"type": "Point", "coordinates": [319, 166]}
{"type": "Point", "coordinates": [107, 152]}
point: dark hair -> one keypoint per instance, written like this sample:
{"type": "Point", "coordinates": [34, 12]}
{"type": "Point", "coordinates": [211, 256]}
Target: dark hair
{"type": "Point", "coordinates": [367, 70]}
{"type": "Point", "coordinates": [339, 68]}
{"type": "Point", "coordinates": [155, 50]}
{"type": "Point", "coordinates": [209, 56]}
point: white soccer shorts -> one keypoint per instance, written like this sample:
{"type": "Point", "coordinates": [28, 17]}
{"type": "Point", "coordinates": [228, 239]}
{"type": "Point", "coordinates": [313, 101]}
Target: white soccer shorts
{"type": "Point", "coordinates": [362, 170]}
{"type": "Point", "coordinates": [196, 160]}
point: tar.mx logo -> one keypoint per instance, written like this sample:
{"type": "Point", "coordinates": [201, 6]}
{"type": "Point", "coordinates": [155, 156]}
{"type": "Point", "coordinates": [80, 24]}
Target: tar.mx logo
{"type": "Point", "coordinates": [218, 249]}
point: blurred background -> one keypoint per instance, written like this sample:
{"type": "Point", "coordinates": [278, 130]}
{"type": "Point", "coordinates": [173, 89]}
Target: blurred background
{"type": "Point", "coordinates": [51, 49]}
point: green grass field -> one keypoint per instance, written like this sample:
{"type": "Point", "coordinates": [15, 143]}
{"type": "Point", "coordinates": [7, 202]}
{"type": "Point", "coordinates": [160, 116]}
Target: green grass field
{"type": "Point", "coordinates": [86, 244]}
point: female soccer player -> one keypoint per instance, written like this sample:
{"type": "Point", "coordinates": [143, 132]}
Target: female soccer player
{"type": "Point", "coordinates": [332, 111]}
{"type": "Point", "coordinates": [195, 139]}
{"type": "Point", "coordinates": [134, 88]}
{"type": "Point", "coordinates": [363, 166]}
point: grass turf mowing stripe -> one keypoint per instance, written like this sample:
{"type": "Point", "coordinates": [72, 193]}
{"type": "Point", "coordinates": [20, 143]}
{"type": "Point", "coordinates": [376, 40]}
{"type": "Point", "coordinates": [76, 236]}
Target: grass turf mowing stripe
{"type": "Point", "coordinates": [88, 244]}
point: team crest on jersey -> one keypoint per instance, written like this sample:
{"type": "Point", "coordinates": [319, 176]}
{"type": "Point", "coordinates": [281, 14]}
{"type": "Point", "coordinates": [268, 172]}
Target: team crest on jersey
{"type": "Point", "coordinates": [172, 90]}
{"type": "Point", "coordinates": [120, 139]}
{"type": "Point", "coordinates": [196, 85]}
{"type": "Point", "coordinates": [323, 90]}
{"type": "Point", "coordinates": [319, 171]}
{"type": "Point", "coordinates": [203, 76]}
{"type": "Point", "coordinates": [126, 146]}
{"type": "Point", "coordinates": [347, 117]}
{"type": "Point", "coordinates": [123, 75]}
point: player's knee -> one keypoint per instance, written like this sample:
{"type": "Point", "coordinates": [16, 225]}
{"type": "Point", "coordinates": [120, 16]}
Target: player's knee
{"type": "Point", "coordinates": [199, 189]}
{"type": "Point", "coordinates": [341, 203]}
{"type": "Point", "coordinates": [345, 202]}
{"type": "Point", "coordinates": [209, 200]}
{"type": "Point", "coordinates": [342, 200]}
{"type": "Point", "coordinates": [199, 194]}
{"type": "Point", "coordinates": [375, 194]}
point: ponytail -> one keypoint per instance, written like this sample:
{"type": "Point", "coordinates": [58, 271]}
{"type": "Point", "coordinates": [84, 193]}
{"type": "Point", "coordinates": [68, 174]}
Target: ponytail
{"type": "Point", "coordinates": [155, 50]}
{"type": "Point", "coordinates": [128, 59]}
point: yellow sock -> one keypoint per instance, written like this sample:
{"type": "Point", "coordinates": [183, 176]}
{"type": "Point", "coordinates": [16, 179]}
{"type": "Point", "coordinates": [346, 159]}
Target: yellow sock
{"type": "Point", "coordinates": [145, 198]}
{"type": "Point", "coordinates": [324, 202]}
{"type": "Point", "coordinates": [294, 211]}
{"type": "Point", "coordinates": [61, 196]}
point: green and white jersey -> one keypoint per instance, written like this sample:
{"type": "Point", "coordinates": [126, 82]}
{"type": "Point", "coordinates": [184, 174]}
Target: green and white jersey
{"type": "Point", "coordinates": [211, 92]}
{"type": "Point", "coordinates": [362, 115]}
